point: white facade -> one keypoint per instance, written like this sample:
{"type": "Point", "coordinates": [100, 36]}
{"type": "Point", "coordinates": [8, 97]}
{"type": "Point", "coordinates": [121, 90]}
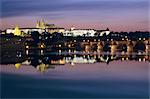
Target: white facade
{"type": "Point", "coordinates": [80, 32]}
{"type": "Point", "coordinates": [27, 30]}
{"type": "Point", "coordinates": [104, 32]}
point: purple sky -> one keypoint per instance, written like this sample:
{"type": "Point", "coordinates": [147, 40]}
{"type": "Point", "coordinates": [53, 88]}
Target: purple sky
{"type": "Point", "coordinates": [118, 15]}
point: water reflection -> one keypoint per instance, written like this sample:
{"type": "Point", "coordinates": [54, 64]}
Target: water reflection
{"type": "Point", "coordinates": [80, 73]}
{"type": "Point", "coordinates": [44, 57]}
{"type": "Point", "coordinates": [42, 60]}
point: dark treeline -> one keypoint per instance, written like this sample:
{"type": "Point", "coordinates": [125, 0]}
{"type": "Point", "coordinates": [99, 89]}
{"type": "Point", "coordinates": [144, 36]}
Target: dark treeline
{"type": "Point", "coordinates": [48, 38]}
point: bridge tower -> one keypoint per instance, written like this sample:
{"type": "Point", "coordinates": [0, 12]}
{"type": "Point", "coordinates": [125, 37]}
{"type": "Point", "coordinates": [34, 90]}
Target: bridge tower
{"type": "Point", "coordinates": [99, 47]}
{"type": "Point", "coordinates": [129, 47]}
{"type": "Point", "coordinates": [113, 47]}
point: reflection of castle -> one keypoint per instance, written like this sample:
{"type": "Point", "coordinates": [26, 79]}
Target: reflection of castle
{"type": "Point", "coordinates": [46, 62]}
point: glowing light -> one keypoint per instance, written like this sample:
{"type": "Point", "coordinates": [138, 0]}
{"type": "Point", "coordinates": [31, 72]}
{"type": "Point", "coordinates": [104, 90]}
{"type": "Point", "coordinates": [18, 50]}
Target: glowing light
{"type": "Point", "coordinates": [27, 47]}
{"type": "Point", "coordinates": [59, 45]}
{"type": "Point", "coordinates": [17, 31]}
{"type": "Point", "coordinates": [27, 52]}
{"type": "Point", "coordinates": [69, 45]}
{"type": "Point", "coordinates": [69, 51]}
{"type": "Point", "coordinates": [60, 51]}
{"type": "Point", "coordinates": [123, 59]}
{"type": "Point", "coordinates": [42, 46]}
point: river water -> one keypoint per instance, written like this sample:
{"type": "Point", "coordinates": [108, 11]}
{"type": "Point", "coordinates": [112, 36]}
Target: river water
{"type": "Point", "coordinates": [118, 79]}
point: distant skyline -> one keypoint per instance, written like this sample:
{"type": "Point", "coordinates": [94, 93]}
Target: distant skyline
{"type": "Point", "coordinates": [117, 15]}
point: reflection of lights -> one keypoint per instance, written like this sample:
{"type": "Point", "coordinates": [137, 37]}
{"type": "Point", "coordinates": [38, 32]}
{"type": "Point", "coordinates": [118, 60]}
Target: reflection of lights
{"type": "Point", "coordinates": [72, 63]}
{"type": "Point", "coordinates": [27, 52]}
{"type": "Point", "coordinates": [18, 54]}
{"type": "Point", "coordinates": [144, 59]}
{"type": "Point", "coordinates": [59, 45]}
{"type": "Point", "coordinates": [75, 56]}
{"type": "Point", "coordinates": [42, 46]}
{"type": "Point", "coordinates": [40, 37]}
{"type": "Point", "coordinates": [99, 40]}
{"type": "Point", "coordinates": [139, 53]}
{"type": "Point", "coordinates": [41, 67]}
{"type": "Point", "coordinates": [17, 65]}
{"type": "Point", "coordinates": [75, 51]}
{"type": "Point", "coordinates": [123, 53]}
{"type": "Point", "coordinates": [127, 58]}
{"type": "Point", "coordinates": [40, 60]}
{"type": "Point", "coordinates": [139, 38]}
{"type": "Point", "coordinates": [122, 38]}
{"type": "Point", "coordinates": [59, 51]}
{"type": "Point", "coordinates": [88, 56]}
{"type": "Point", "coordinates": [140, 59]}
{"type": "Point", "coordinates": [123, 58]}
{"type": "Point", "coordinates": [42, 52]}
{"type": "Point", "coordinates": [74, 40]}
{"type": "Point", "coordinates": [94, 40]}
{"type": "Point", "coordinates": [95, 56]}
{"type": "Point", "coordinates": [69, 45]}
{"type": "Point", "coordinates": [27, 47]}
{"type": "Point", "coordinates": [143, 38]}
{"type": "Point", "coordinates": [112, 57]}
{"type": "Point", "coordinates": [69, 51]}
{"type": "Point", "coordinates": [62, 61]}
{"type": "Point", "coordinates": [83, 56]}
{"type": "Point", "coordinates": [26, 62]}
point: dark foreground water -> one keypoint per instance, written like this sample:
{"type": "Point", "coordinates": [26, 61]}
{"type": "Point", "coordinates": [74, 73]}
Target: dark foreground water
{"type": "Point", "coordinates": [128, 79]}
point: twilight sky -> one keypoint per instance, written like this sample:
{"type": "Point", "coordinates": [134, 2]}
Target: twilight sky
{"type": "Point", "coordinates": [118, 15]}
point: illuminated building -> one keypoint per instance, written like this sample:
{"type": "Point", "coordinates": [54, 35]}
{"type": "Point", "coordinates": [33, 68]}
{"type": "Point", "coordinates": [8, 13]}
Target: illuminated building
{"type": "Point", "coordinates": [79, 32]}
{"type": "Point", "coordinates": [17, 31]}
{"type": "Point", "coordinates": [103, 32]}
{"type": "Point", "coordinates": [51, 28]}
{"type": "Point", "coordinates": [85, 32]}
{"type": "Point", "coordinates": [40, 27]}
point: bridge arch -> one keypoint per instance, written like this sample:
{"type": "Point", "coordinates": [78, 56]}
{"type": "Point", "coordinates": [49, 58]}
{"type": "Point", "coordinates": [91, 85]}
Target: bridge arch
{"type": "Point", "coordinates": [139, 47]}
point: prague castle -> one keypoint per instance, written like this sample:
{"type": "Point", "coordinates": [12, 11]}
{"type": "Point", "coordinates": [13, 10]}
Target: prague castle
{"type": "Point", "coordinates": [42, 26]}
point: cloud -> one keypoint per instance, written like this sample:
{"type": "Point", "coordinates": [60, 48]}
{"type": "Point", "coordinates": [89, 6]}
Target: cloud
{"type": "Point", "coordinates": [12, 8]}
{"type": "Point", "coordinates": [126, 14]}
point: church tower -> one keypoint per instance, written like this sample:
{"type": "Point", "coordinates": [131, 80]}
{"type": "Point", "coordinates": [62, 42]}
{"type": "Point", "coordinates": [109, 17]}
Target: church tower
{"type": "Point", "coordinates": [38, 24]}
{"type": "Point", "coordinates": [42, 24]}
{"type": "Point", "coordinates": [17, 31]}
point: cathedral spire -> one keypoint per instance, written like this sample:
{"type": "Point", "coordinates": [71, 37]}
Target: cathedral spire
{"type": "Point", "coordinates": [42, 24]}
{"type": "Point", "coordinates": [38, 24]}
